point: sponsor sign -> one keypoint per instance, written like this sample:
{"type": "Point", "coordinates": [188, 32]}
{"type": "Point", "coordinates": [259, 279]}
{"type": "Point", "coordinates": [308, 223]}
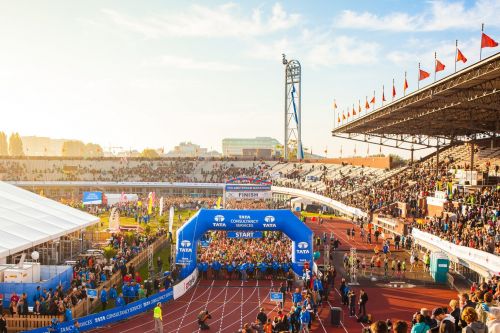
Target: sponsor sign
{"type": "Point", "coordinates": [181, 288]}
{"type": "Point", "coordinates": [92, 198]}
{"type": "Point", "coordinates": [114, 315]}
{"type": "Point", "coordinates": [92, 293]}
{"type": "Point", "coordinates": [244, 234]}
{"type": "Point", "coordinates": [248, 191]}
{"type": "Point", "coordinates": [276, 297]}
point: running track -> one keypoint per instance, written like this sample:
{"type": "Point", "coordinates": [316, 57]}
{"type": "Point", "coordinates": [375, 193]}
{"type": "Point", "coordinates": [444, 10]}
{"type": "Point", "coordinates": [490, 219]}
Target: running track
{"type": "Point", "coordinates": [233, 303]}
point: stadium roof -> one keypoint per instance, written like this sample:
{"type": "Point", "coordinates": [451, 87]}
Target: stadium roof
{"type": "Point", "coordinates": [27, 220]}
{"type": "Point", "coordinates": [459, 107]}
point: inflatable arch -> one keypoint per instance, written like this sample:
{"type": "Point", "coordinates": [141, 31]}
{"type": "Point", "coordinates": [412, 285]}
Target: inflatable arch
{"type": "Point", "coordinates": [243, 220]}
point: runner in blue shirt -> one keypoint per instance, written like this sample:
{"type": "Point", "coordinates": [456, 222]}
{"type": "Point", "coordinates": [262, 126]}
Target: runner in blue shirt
{"type": "Point", "coordinates": [262, 269]}
{"type": "Point", "coordinates": [120, 301]}
{"type": "Point", "coordinates": [54, 326]}
{"type": "Point", "coordinates": [104, 299]}
{"type": "Point", "coordinates": [276, 267]}
{"type": "Point", "coordinates": [113, 294]}
{"type": "Point", "coordinates": [229, 268]}
{"type": "Point", "coordinates": [296, 297]}
{"type": "Point", "coordinates": [250, 269]}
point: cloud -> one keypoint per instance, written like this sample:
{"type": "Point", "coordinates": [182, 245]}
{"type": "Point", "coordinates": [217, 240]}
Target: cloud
{"type": "Point", "coordinates": [440, 15]}
{"type": "Point", "coordinates": [201, 21]}
{"type": "Point", "coordinates": [187, 63]}
{"type": "Point", "coordinates": [319, 49]}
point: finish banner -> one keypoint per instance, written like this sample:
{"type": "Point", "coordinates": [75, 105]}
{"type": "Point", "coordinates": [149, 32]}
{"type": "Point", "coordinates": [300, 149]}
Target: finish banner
{"type": "Point", "coordinates": [248, 191]}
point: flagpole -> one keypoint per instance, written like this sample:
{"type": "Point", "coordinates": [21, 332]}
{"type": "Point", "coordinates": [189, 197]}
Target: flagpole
{"type": "Point", "coordinates": [418, 77]}
{"type": "Point", "coordinates": [404, 86]}
{"type": "Point", "coordinates": [435, 63]}
{"type": "Point", "coordinates": [353, 111]}
{"type": "Point", "coordinates": [456, 54]}
{"type": "Point", "coordinates": [383, 95]}
{"type": "Point", "coordinates": [481, 45]}
{"type": "Point", "coordinates": [359, 106]}
{"type": "Point", "coordinates": [392, 89]}
{"type": "Point", "coordinates": [373, 103]}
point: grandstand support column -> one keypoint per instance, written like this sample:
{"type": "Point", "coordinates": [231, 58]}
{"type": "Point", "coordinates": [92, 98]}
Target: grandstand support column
{"type": "Point", "coordinates": [437, 158]}
{"type": "Point", "coordinates": [412, 162]}
{"type": "Point", "coordinates": [472, 157]}
{"type": "Point", "coordinates": [494, 136]}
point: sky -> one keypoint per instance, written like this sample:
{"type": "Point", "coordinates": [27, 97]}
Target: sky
{"type": "Point", "coordinates": [138, 74]}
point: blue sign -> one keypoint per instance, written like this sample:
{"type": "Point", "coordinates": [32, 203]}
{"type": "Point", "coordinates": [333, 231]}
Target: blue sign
{"type": "Point", "coordinates": [204, 220]}
{"type": "Point", "coordinates": [92, 293]}
{"type": "Point", "coordinates": [114, 315]}
{"type": "Point", "coordinates": [244, 234]}
{"type": "Point", "coordinates": [276, 297]}
{"type": "Point", "coordinates": [92, 198]}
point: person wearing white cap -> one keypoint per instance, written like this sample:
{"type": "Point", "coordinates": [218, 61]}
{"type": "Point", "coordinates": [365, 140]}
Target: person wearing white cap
{"type": "Point", "coordinates": [493, 322]}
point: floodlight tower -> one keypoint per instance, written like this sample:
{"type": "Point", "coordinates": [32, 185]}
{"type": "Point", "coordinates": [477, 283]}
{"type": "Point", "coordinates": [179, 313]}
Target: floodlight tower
{"type": "Point", "coordinates": [293, 117]}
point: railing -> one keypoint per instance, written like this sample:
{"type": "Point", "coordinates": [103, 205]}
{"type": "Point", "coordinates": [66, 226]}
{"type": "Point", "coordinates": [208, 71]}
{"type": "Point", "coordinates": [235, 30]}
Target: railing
{"type": "Point", "coordinates": [85, 307]}
{"type": "Point", "coordinates": [27, 322]}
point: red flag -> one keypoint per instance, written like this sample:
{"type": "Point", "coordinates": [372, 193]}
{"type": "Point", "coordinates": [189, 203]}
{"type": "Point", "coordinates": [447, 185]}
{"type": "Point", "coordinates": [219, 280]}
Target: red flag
{"type": "Point", "coordinates": [367, 106]}
{"type": "Point", "coordinates": [423, 75]}
{"type": "Point", "coordinates": [343, 116]}
{"type": "Point", "coordinates": [373, 100]}
{"type": "Point", "coordinates": [383, 97]}
{"type": "Point", "coordinates": [348, 114]}
{"type": "Point", "coordinates": [405, 85]}
{"type": "Point", "coordinates": [359, 107]}
{"type": "Point", "coordinates": [439, 66]}
{"type": "Point", "coordinates": [353, 111]}
{"type": "Point", "coordinates": [334, 104]}
{"type": "Point", "coordinates": [461, 57]}
{"type": "Point", "coordinates": [338, 119]}
{"type": "Point", "coordinates": [487, 41]}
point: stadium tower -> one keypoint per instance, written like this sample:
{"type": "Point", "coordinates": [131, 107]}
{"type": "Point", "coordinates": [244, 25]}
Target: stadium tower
{"type": "Point", "coordinates": [293, 117]}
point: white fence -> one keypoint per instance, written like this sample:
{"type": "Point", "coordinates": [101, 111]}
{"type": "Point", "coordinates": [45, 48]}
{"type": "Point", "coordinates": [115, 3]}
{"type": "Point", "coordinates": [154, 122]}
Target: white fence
{"type": "Point", "coordinates": [489, 262]}
{"type": "Point", "coordinates": [336, 205]}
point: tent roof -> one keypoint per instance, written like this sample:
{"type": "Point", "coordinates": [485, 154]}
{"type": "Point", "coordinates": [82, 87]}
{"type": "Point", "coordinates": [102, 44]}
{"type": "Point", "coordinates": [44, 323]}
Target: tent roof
{"type": "Point", "coordinates": [27, 219]}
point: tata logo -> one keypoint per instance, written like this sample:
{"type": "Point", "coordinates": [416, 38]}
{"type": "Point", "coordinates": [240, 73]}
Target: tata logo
{"type": "Point", "coordinates": [219, 224]}
{"type": "Point", "coordinates": [219, 218]}
{"type": "Point", "coordinates": [185, 243]}
{"type": "Point", "coordinates": [269, 219]}
{"type": "Point", "coordinates": [303, 245]}
{"type": "Point", "coordinates": [269, 225]}
{"type": "Point", "coordinates": [302, 251]}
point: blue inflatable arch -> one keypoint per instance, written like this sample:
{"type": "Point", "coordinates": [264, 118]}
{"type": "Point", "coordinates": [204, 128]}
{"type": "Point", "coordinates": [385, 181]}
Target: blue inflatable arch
{"type": "Point", "coordinates": [243, 220]}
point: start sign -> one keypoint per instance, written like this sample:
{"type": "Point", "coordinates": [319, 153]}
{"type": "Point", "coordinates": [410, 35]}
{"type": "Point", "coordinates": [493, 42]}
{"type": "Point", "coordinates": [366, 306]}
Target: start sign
{"type": "Point", "coordinates": [244, 234]}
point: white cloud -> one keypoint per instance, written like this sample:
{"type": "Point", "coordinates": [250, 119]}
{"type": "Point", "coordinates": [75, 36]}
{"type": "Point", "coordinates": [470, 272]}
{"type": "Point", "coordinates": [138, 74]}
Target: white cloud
{"type": "Point", "coordinates": [202, 21]}
{"type": "Point", "coordinates": [319, 49]}
{"type": "Point", "coordinates": [440, 15]}
{"type": "Point", "coordinates": [190, 64]}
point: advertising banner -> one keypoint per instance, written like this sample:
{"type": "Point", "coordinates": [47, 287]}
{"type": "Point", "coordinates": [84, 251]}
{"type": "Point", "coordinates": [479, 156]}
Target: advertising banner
{"type": "Point", "coordinates": [110, 316]}
{"type": "Point", "coordinates": [92, 198]}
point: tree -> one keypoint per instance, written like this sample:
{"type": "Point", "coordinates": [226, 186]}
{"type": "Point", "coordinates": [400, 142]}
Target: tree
{"type": "Point", "coordinates": [149, 153]}
{"type": "Point", "coordinates": [93, 150]}
{"type": "Point", "coordinates": [73, 148]}
{"type": "Point", "coordinates": [4, 147]}
{"type": "Point", "coordinates": [16, 145]}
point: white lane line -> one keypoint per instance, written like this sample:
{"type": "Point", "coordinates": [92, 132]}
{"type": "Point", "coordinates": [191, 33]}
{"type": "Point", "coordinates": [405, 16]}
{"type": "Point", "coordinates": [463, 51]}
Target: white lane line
{"type": "Point", "coordinates": [224, 306]}
{"type": "Point", "coordinates": [185, 311]}
{"type": "Point", "coordinates": [208, 298]}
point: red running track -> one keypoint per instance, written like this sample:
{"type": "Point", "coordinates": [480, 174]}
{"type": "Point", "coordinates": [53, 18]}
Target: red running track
{"type": "Point", "coordinates": [233, 303]}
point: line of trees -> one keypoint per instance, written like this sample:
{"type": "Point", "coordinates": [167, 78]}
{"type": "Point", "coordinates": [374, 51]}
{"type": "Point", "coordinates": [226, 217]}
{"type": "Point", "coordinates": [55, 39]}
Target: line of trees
{"type": "Point", "coordinates": [14, 147]}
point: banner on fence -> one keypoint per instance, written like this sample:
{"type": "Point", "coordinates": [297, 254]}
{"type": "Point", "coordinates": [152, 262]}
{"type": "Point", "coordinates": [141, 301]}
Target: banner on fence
{"type": "Point", "coordinates": [183, 286]}
{"type": "Point", "coordinates": [113, 315]}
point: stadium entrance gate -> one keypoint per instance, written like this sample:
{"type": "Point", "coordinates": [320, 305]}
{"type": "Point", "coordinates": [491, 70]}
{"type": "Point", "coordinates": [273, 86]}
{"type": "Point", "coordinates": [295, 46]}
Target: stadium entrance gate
{"type": "Point", "coordinates": [243, 220]}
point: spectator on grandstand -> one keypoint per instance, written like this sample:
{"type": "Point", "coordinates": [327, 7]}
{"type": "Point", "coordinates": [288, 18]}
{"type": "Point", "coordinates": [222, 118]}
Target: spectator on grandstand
{"type": "Point", "coordinates": [419, 325]}
{"type": "Point", "coordinates": [261, 316]}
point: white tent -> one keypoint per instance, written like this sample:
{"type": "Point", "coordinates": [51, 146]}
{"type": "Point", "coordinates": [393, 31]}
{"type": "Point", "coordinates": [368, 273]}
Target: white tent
{"type": "Point", "coordinates": [27, 219]}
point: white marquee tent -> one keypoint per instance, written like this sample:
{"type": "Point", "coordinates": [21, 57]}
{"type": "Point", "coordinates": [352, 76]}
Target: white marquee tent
{"type": "Point", "coordinates": [27, 220]}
